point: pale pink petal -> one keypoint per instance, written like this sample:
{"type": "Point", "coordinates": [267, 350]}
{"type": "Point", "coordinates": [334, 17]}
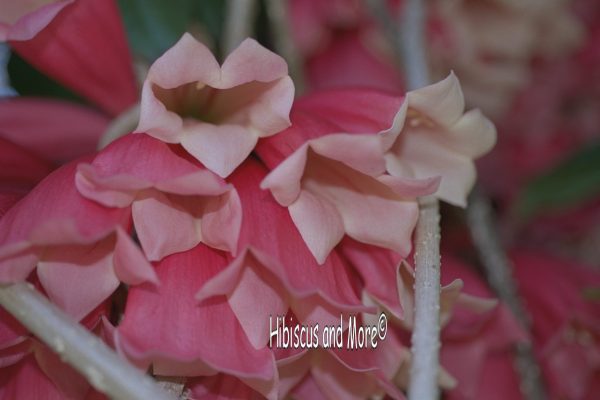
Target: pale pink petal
{"type": "Point", "coordinates": [253, 293]}
{"type": "Point", "coordinates": [443, 101]}
{"type": "Point", "coordinates": [273, 256]}
{"type": "Point", "coordinates": [22, 20]}
{"type": "Point", "coordinates": [216, 112]}
{"type": "Point", "coordinates": [251, 62]}
{"type": "Point", "coordinates": [167, 224]}
{"type": "Point", "coordinates": [55, 123]}
{"type": "Point", "coordinates": [129, 263]}
{"type": "Point", "coordinates": [356, 111]}
{"type": "Point", "coordinates": [221, 148]}
{"type": "Point", "coordinates": [334, 195]}
{"type": "Point", "coordinates": [85, 48]}
{"type": "Point", "coordinates": [439, 139]}
{"type": "Point", "coordinates": [162, 227]}
{"type": "Point", "coordinates": [426, 159]}
{"type": "Point", "coordinates": [78, 279]}
{"type": "Point", "coordinates": [176, 203]}
{"type": "Point", "coordinates": [221, 221]}
{"type": "Point", "coordinates": [136, 162]}
{"type": "Point", "coordinates": [319, 223]}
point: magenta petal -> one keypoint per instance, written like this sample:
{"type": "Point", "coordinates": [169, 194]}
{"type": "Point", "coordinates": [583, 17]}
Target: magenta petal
{"type": "Point", "coordinates": [176, 203]}
{"type": "Point", "coordinates": [379, 271]}
{"type": "Point", "coordinates": [166, 326]}
{"type": "Point", "coordinates": [85, 48]}
{"type": "Point", "coordinates": [20, 170]}
{"type": "Point", "coordinates": [272, 248]}
{"type": "Point", "coordinates": [53, 213]}
{"type": "Point", "coordinates": [129, 263]}
{"type": "Point", "coordinates": [55, 123]}
{"type": "Point", "coordinates": [120, 171]}
{"type": "Point", "coordinates": [26, 380]}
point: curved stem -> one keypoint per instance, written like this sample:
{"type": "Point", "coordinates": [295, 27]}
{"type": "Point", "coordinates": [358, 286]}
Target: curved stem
{"type": "Point", "coordinates": [498, 269]}
{"type": "Point", "coordinates": [102, 367]}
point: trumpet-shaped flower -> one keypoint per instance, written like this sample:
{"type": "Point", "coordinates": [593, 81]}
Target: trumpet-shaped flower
{"type": "Point", "coordinates": [439, 138]}
{"type": "Point", "coordinates": [335, 183]}
{"type": "Point", "coordinates": [217, 112]}
{"type": "Point", "coordinates": [167, 328]}
{"type": "Point", "coordinates": [275, 270]}
{"type": "Point", "coordinates": [79, 249]}
{"type": "Point", "coordinates": [175, 202]}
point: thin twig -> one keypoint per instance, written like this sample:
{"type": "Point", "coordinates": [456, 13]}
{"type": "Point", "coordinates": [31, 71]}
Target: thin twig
{"type": "Point", "coordinates": [498, 269]}
{"type": "Point", "coordinates": [426, 333]}
{"type": "Point", "coordinates": [277, 10]}
{"type": "Point", "coordinates": [102, 367]}
{"type": "Point", "coordinates": [238, 23]}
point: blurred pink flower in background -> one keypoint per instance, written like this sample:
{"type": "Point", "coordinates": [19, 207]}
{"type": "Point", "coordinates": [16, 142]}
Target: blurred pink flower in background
{"type": "Point", "coordinates": [566, 324]}
{"type": "Point", "coordinates": [478, 348]}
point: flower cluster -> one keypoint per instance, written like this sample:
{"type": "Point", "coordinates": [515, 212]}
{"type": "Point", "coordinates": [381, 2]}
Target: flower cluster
{"type": "Point", "coordinates": [232, 208]}
{"type": "Point", "coordinates": [229, 204]}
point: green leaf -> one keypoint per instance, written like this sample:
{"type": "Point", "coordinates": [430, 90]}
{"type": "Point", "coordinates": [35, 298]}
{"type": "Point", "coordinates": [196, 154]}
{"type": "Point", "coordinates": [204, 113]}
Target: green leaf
{"type": "Point", "coordinates": [153, 26]}
{"type": "Point", "coordinates": [592, 293]}
{"type": "Point", "coordinates": [569, 184]}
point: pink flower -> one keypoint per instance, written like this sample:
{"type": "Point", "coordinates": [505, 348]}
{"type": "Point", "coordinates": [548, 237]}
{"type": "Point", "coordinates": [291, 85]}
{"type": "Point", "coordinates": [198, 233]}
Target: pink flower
{"type": "Point", "coordinates": [439, 138]}
{"type": "Point", "coordinates": [79, 249]}
{"type": "Point", "coordinates": [332, 183]}
{"type": "Point", "coordinates": [491, 45]}
{"type": "Point", "coordinates": [275, 271]}
{"type": "Point", "coordinates": [167, 327]}
{"type": "Point", "coordinates": [217, 113]}
{"type": "Point", "coordinates": [373, 173]}
{"type": "Point", "coordinates": [175, 202]}
{"type": "Point", "coordinates": [81, 44]}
